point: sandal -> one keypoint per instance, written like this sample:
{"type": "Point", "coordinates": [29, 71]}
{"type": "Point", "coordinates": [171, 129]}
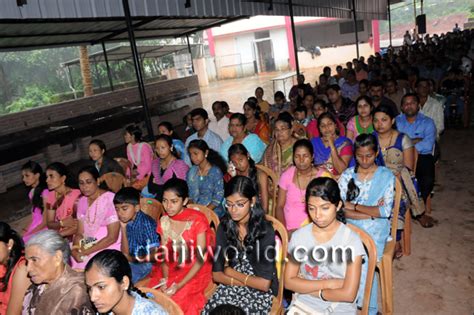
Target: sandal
{"type": "Point", "coordinates": [425, 221]}
{"type": "Point", "coordinates": [398, 250]}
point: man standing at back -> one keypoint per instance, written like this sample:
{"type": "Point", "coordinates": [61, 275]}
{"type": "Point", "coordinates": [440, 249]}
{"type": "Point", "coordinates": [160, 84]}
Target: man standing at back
{"type": "Point", "coordinates": [200, 120]}
{"type": "Point", "coordinates": [376, 93]}
{"type": "Point", "coordinates": [429, 106]}
{"type": "Point", "coordinates": [422, 131]}
{"type": "Point", "coordinates": [221, 124]}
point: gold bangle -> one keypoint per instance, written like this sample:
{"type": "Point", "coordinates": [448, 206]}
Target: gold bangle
{"type": "Point", "coordinates": [246, 278]}
{"type": "Point", "coordinates": [61, 223]}
{"type": "Point", "coordinates": [231, 281]}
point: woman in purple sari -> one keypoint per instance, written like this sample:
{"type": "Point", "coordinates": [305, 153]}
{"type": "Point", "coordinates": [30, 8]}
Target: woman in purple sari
{"type": "Point", "coordinates": [331, 150]}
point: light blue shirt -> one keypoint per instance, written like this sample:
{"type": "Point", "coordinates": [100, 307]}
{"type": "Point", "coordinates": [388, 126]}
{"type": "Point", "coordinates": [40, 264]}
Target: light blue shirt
{"type": "Point", "coordinates": [145, 306]}
{"type": "Point", "coordinates": [252, 143]}
{"type": "Point", "coordinates": [423, 127]}
{"type": "Point", "coordinates": [212, 139]}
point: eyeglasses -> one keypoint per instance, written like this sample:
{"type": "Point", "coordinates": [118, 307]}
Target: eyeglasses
{"type": "Point", "coordinates": [239, 205]}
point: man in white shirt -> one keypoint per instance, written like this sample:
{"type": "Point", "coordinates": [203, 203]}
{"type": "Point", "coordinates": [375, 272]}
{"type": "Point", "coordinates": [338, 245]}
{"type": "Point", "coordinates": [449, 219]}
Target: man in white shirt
{"type": "Point", "coordinates": [221, 124]}
{"type": "Point", "coordinates": [430, 106]}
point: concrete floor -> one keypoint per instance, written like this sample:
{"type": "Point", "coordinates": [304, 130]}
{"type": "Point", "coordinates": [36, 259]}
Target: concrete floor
{"type": "Point", "coordinates": [438, 276]}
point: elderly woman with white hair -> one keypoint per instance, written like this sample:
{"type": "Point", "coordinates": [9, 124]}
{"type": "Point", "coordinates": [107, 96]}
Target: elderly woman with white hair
{"type": "Point", "coordinates": [56, 288]}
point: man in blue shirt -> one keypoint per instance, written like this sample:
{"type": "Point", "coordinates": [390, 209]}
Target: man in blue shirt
{"type": "Point", "coordinates": [200, 124]}
{"type": "Point", "coordinates": [422, 131]}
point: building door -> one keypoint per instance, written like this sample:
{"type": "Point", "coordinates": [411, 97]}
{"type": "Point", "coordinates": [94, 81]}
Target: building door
{"type": "Point", "coordinates": [263, 49]}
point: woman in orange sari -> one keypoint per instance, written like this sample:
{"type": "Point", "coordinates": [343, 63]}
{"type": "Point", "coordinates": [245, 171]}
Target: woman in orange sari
{"type": "Point", "coordinates": [184, 270]}
{"type": "Point", "coordinates": [255, 124]}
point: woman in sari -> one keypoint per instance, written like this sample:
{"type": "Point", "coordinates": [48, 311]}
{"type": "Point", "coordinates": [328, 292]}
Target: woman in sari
{"type": "Point", "coordinates": [239, 134]}
{"type": "Point", "coordinates": [98, 224]}
{"type": "Point", "coordinates": [368, 192]}
{"type": "Point", "coordinates": [186, 269]}
{"type": "Point", "coordinates": [140, 154]}
{"type": "Point", "coordinates": [397, 152]}
{"type": "Point", "coordinates": [61, 203]}
{"type": "Point", "coordinates": [279, 154]}
{"type": "Point", "coordinates": [34, 178]}
{"type": "Point", "coordinates": [164, 167]}
{"type": "Point", "coordinates": [362, 122]}
{"type": "Point", "coordinates": [255, 124]}
{"type": "Point", "coordinates": [246, 275]}
{"type": "Point", "coordinates": [13, 276]}
{"type": "Point", "coordinates": [56, 288]}
{"type": "Point", "coordinates": [291, 207]}
{"type": "Point", "coordinates": [330, 149]}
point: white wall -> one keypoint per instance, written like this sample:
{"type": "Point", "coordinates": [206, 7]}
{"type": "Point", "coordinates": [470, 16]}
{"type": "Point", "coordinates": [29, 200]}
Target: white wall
{"type": "Point", "coordinates": [327, 34]}
{"type": "Point", "coordinates": [280, 49]}
{"type": "Point", "coordinates": [244, 47]}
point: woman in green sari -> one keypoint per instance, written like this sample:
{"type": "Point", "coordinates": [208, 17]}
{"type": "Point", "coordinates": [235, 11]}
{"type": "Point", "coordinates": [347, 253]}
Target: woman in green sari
{"type": "Point", "coordinates": [279, 154]}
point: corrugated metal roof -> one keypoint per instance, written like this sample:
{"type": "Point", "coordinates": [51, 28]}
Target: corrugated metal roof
{"type": "Point", "coordinates": [43, 23]}
{"type": "Point", "coordinates": [123, 52]}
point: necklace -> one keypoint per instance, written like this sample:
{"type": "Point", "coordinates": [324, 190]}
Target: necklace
{"type": "Point", "coordinates": [203, 173]}
{"type": "Point", "coordinates": [95, 201]}
{"type": "Point", "coordinates": [384, 148]}
{"type": "Point", "coordinates": [302, 190]}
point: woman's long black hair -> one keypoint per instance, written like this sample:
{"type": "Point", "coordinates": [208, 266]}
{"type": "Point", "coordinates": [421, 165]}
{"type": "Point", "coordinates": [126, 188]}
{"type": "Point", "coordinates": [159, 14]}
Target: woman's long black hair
{"type": "Point", "coordinates": [239, 148]}
{"type": "Point", "coordinates": [243, 186]}
{"type": "Point", "coordinates": [114, 264]}
{"type": "Point", "coordinates": [327, 189]}
{"type": "Point", "coordinates": [362, 140]}
{"type": "Point", "coordinates": [35, 168]}
{"type": "Point", "coordinates": [212, 156]}
{"type": "Point", "coordinates": [7, 234]}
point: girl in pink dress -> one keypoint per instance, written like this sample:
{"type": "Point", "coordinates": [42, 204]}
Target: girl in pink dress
{"type": "Point", "coordinates": [98, 224]}
{"type": "Point", "coordinates": [140, 154]}
{"type": "Point", "coordinates": [61, 201]}
{"type": "Point", "coordinates": [33, 177]}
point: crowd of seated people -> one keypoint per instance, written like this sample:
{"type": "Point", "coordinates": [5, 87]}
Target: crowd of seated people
{"type": "Point", "coordinates": [334, 152]}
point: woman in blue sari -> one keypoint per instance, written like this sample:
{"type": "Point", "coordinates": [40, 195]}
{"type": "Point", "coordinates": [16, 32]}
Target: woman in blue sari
{"type": "Point", "coordinates": [239, 134]}
{"type": "Point", "coordinates": [331, 150]}
{"type": "Point", "coordinates": [368, 192]}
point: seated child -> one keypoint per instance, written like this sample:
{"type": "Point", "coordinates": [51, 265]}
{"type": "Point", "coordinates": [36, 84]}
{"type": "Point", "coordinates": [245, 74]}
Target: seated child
{"type": "Point", "coordinates": [301, 121]}
{"type": "Point", "coordinates": [139, 237]}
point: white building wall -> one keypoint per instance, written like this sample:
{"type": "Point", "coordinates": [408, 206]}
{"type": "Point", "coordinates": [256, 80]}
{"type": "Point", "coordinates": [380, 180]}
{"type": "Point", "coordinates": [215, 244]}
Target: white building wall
{"type": "Point", "coordinates": [280, 49]}
{"type": "Point", "coordinates": [244, 46]}
{"type": "Point", "coordinates": [327, 34]}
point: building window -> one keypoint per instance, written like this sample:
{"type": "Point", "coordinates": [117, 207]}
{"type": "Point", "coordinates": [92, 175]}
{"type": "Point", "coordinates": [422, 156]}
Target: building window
{"type": "Point", "coordinates": [348, 27]}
